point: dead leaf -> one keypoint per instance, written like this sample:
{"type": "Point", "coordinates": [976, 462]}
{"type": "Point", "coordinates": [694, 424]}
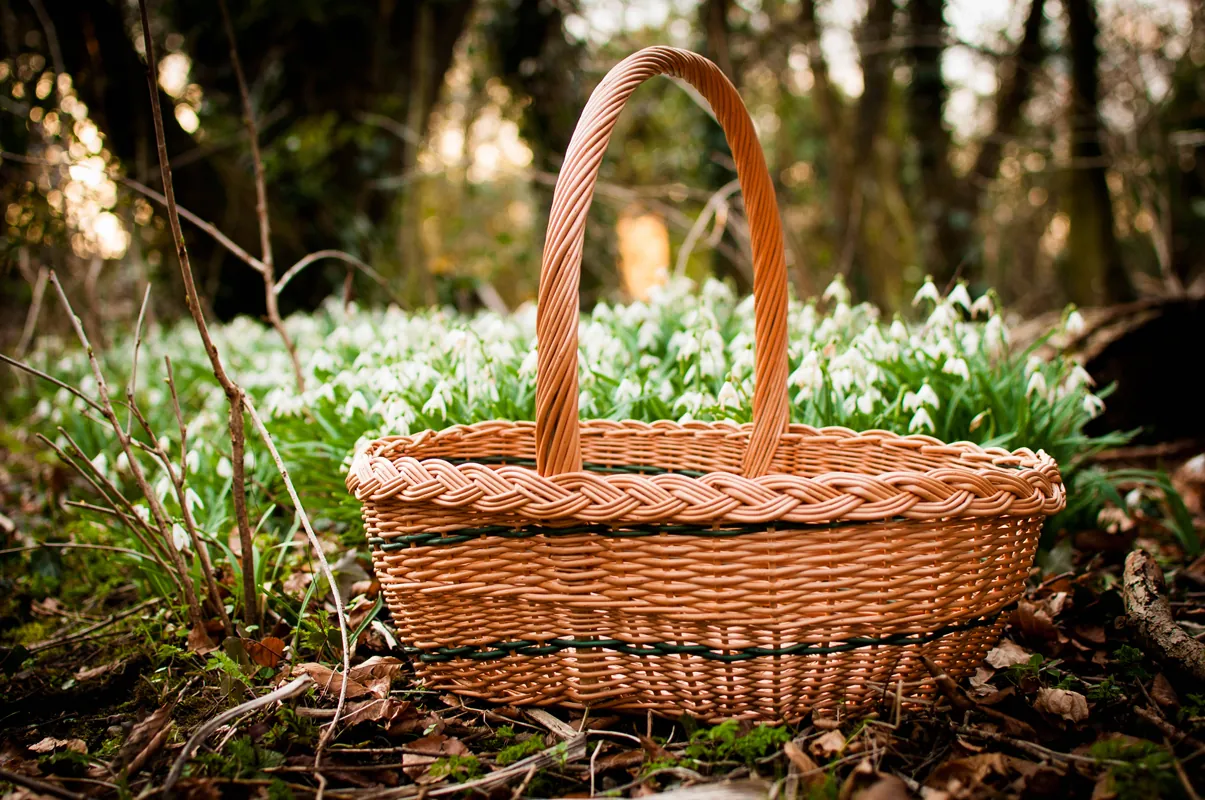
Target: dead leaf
{"type": "Point", "coordinates": [424, 752]}
{"type": "Point", "coordinates": [981, 677]}
{"type": "Point", "coordinates": [329, 681]}
{"type": "Point", "coordinates": [1071, 706]}
{"type": "Point", "coordinates": [625, 759]}
{"type": "Point", "coordinates": [267, 652]}
{"type": "Point", "coordinates": [809, 771]}
{"type": "Point", "coordinates": [52, 745]}
{"type": "Point", "coordinates": [199, 641]}
{"type": "Point", "coordinates": [656, 751]}
{"type": "Point", "coordinates": [145, 740]}
{"type": "Point", "coordinates": [389, 710]}
{"type": "Point", "coordinates": [1033, 621]}
{"type": "Point", "coordinates": [885, 787]}
{"type": "Point", "coordinates": [377, 673]}
{"type": "Point", "coordinates": [296, 584]}
{"type": "Point", "coordinates": [1007, 654]}
{"type": "Point", "coordinates": [88, 673]}
{"type": "Point", "coordinates": [828, 744]}
{"type": "Point", "coordinates": [1094, 634]}
{"type": "Point", "coordinates": [1163, 693]}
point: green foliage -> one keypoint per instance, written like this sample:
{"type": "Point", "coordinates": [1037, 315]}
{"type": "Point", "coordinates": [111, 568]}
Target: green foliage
{"type": "Point", "coordinates": [241, 758]}
{"type": "Point", "coordinates": [1129, 661]}
{"type": "Point", "coordinates": [1107, 691]}
{"type": "Point", "coordinates": [458, 768]}
{"type": "Point", "coordinates": [1042, 670]}
{"type": "Point", "coordinates": [520, 750]}
{"type": "Point", "coordinates": [724, 742]}
{"type": "Point", "coordinates": [1145, 769]}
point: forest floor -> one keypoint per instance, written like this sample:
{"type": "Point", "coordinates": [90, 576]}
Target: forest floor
{"type": "Point", "coordinates": [100, 690]}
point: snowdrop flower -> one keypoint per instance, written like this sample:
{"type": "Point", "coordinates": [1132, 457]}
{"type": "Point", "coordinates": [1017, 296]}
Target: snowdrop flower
{"type": "Point", "coordinates": [685, 345]}
{"type": "Point", "coordinates": [898, 331]}
{"type": "Point", "coordinates": [943, 317]}
{"type": "Point", "coordinates": [960, 297]}
{"type": "Point", "coordinates": [868, 401]}
{"type": "Point", "coordinates": [224, 468]}
{"type": "Point", "coordinates": [1093, 405]}
{"type": "Point", "coordinates": [1079, 377]}
{"type": "Point", "coordinates": [1037, 383]}
{"type": "Point", "coordinates": [957, 366]}
{"type": "Point", "coordinates": [1033, 364]}
{"type": "Point", "coordinates": [928, 291]}
{"type": "Point", "coordinates": [528, 366]}
{"type": "Point", "coordinates": [628, 391]}
{"type": "Point", "coordinates": [192, 500]}
{"type": "Point", "coordinates": [1074, 325]}
{"type": "Point", "coordinates": [728, 397]}
{"type": "Point", "coordinates": [711, 354]}
{"type": "Point", "coordinates": [983, 305]}
{"type": "Point", "coordinates": [162, 487]}
{"type": "Point", "coordinates": [192, 460]}
{"type": "Point", "coordinates": [836, 290]}
{"type": "Point", "coordinates": [180, 537]}
{"type": "Point", "coordinates": [123, 462]}
{"type": "Point", "coordinates": [438, 401]}
{"type": "Point", "coordinates": [921, 421]}
{"type": "Point", "coordinates": [101, 463]}
{"type": "Point", "coordinates": [925, 396]}
{"type": "Point", "coordinates": [995, 336]}
{"type": "Point", "coordinates": [809, 375]}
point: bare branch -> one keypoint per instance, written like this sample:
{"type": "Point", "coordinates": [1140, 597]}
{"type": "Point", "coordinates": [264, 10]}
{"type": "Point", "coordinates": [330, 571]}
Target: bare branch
{"type": "Point", "coordinates": [35, 309]}
{"type": "Point", "coordinates": [234, 393]}
{"type": "Point", "coordinates": [338, 255]}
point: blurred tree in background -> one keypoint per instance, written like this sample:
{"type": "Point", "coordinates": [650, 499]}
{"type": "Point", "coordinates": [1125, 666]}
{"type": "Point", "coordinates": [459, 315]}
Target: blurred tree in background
{"type": "Point", "coordinates": [1050, 148]}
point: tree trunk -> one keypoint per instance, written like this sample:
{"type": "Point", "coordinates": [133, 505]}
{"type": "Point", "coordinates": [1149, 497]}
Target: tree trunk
{"type": "Point", "coordinates": [926, 102]}
{"type": "Point", "coordinates": [1093, 272]}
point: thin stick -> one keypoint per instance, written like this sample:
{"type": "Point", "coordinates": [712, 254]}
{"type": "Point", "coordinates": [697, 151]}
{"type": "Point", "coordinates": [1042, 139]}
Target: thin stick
{"type": "Point", "coordinates": [35, 310]}
{"type": "Point", "coordinates": [290, 689]}
{"type": "Point", "coordinates": [339, 255]}
{"type": "Point", "coordinates": [37, 373]}
{"type": "Point", "coordinates": [104, 623]}
{"type": "Point", "coordinates": [326, 570]}
{"type": "Point", "coordinates": [42, 787]}
{"type": "Point", "coordinates": [194, 607]}
{"type": "Point", "coordinates": [200, 548]}
{"type": "Point", "coordinates": [234, 393]}
{"type": "Point", "coordinates": [74, 545]}
{"type": "Point", "coordinates": [261, 201]}
{"type": "Point", "coordinates": [132, 385]}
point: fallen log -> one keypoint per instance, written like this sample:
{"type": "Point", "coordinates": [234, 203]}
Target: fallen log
{"type": "Point", "coordinates": [1150, 618]}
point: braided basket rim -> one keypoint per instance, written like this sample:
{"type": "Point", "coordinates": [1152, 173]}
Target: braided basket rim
{"type": "Point", "coordinates": [965, 480]}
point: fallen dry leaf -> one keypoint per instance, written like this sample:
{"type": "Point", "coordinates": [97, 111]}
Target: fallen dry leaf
{"type": "Point", "coordinates": [424, 752]}
{"type": "Point", "coordinates": [52, 745]}
{"type": "Point", "coordinates": [809, 771]}
{"type": "Point", "coordinates": [1007, 654]}
{"type": "Point", "coordinates": [624, 759]}
{"type": "Point", "coordinates": [393, 712]}
{"type": "Point", "coordinates": [1033, 621]}
{"type": "Point", "coordinates": [88, 673]}
{"type": "Point", "coordinates": [1071, 706]}
{"type": "Point", "coordinates": [1163, 693]}
{"type": "Point", "coordinates": [267, 652]}
{"type": "Point", "coordinates": [377, 673]}
{"type": "Point", "coordinates": [828, 744]}
{"type": "Point", "coordinates": [329, 681]}
{"type": "Point", "coordinates": [143, 733]}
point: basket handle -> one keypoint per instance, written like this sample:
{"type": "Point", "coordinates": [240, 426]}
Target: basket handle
{"type": "Point", "coordinates": [558, 444]}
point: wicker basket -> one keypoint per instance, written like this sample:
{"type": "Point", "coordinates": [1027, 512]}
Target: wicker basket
{"type": "Point", "coordinates": [721, 570]}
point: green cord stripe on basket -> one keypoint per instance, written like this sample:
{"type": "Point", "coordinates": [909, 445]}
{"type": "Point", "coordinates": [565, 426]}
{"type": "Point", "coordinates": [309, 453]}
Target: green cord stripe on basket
{"type": "Point", "coordinates": [436, 539]}
{"type": "Point", "coordinates": [528, 647]}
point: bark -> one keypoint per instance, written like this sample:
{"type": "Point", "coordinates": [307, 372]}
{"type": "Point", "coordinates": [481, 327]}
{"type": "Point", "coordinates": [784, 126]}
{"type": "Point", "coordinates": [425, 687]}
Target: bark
{"type": "Point", "coordinates": [1093, 272]}
{"type": "Point", "coordinates": [926, 102]}
{"type": "Point", "coordinates": [1150, 617]}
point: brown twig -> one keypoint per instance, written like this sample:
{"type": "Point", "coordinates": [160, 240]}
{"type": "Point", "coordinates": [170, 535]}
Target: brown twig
{"type": "Point", "coordinates": [104, 623]}
{"type": "Point", "coordinates": [132, 384]}
{"type": "Point", "coordinates": [234, 393]}
{"type": "Point", "coordinates": [37, 373]}
{"type": "Point", "coordinates": [42, 787]}
{"type": "Point", "coordinates": [339, 255]}
{"type": "Point", "coordinates": [35, 309]}
{"type": "Point", "coordinates": [102, 386]}
{"type": "Point", "coordinates": [261, 201]}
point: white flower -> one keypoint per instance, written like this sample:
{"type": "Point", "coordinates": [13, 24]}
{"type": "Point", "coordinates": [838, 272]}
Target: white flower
{"type": "Point", "coordinates": [1033, 364]}
{"type": "Point", "coordinates": [192, 500]}
{"type": "Point", "coordinates": [1079, 377]}
{"type": "Point", "coordinates": [898, 331]}
{"type": "Point", "coordinates": [1037, 383]}
{"type": "Point", "coordinates": [438, 401]}
{"type": "Point", "coordinates": [921, 421]}
{"type": "Point", "coordinates": [925, 396]}
{"type": "Point", "coordinates": [192, 460]}
{"type": "Point", "coordinates": [1093, 405]}
{"type": "Point", "coordinates": [979, 419]}
{"type": "Point", "coordinates": [1075, 324]}
{"type": "Point", "coordinates": [101, 463]}
{"type": "Point", "coordinates": [355, 402]}
{"type": "Point", "coordinates": [926, 292]}
{"type": "Point", "coordinates": [995, 336]}
{"type": "Point", "coordinates": [868, 401]}
{"type": "Point", "coordinates": [224, 468]}
{"type": "Point", "coordinates": [1134, 498]}
{"type": "Point", "coordinates": [628, 391]}
{"type": "Point", "coordinates": [180, 537]}
{"type": "Point", "coordinates": [809, 375]}
{"type": "Point", "coordinates": [960, 297]}
{"type": "Point", "coordinates": [957, 366]}
{"type": "Point", "coordinates": [728, 396]}
{"type": "Point", "coordinates": [983, 306]}
{"type": "Point", "coordinates": [836, 290]}
{"type": "Point", "coordinates": [123, 462]}
{"type": "Point", "coordinates": [943, 316]}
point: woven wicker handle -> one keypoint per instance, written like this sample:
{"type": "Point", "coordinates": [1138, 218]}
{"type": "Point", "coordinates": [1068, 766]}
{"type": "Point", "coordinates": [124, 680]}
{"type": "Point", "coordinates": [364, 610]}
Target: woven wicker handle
{"type": "Point", "coordinates": [558, 445]}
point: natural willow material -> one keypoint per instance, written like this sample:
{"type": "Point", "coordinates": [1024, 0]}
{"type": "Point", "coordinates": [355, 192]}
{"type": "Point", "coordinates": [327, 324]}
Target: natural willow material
{"type": "Point", "coordinates": [722, 570]}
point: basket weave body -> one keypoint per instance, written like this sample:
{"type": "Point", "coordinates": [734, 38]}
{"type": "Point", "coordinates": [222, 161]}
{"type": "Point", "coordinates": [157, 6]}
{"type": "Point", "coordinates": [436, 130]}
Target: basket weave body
{"type": "Point", "coordinates": [757, 571]}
